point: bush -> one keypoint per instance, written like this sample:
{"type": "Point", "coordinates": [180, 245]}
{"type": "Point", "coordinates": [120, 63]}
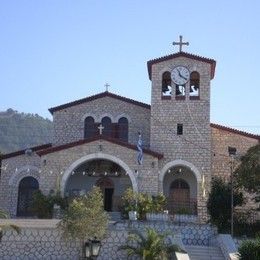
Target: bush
{"type": "Point", "coordinates": [249, 250]}
{"type": "Point", "coordinates": [85, 218]}
{"type": "Point", "coordinates": [43, 205]}
{"type": "Point", "coordinates": [142, 203]}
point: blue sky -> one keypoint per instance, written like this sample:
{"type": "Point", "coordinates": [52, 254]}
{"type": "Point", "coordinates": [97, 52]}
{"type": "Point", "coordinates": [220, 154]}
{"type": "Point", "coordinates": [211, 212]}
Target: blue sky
{"type": "Point", "coordinates": [56, 51]}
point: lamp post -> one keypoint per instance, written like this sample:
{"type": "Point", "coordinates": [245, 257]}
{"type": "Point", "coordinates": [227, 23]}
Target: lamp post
{"type": "Point", "coordinates": [232, 152]}
{"type": "Point", "coordinates": [92, 248]}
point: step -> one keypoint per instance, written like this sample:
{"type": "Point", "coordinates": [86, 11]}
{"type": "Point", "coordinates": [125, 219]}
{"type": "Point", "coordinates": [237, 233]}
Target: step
{"type": "Point", "coordinates": [114, 216]}
{"type": "Point", "coordinates": [204, 253]}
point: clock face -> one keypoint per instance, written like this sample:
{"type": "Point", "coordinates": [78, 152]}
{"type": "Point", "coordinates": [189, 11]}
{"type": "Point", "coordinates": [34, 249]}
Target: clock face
{"type": "Point", "coordinates": [180, 75]}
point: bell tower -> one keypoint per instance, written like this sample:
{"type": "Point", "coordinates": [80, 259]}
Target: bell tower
{"type": "Point", "coordinates": [180, 109]}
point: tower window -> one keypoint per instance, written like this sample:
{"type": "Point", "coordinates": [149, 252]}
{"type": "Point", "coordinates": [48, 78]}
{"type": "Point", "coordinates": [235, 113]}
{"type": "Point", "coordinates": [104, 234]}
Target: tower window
{"type": "Point", "coordinates": [166, 84]}
{"type": "Point", "coordinates": [194, 85]}
{"type": "Point", "coordinates": [179, 129]}
{"type": "Point", "coordinates": [180, 91]}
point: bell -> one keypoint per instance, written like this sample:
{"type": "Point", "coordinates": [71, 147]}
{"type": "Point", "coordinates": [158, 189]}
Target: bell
{"type": "Point", "coordinates": [178, 92]}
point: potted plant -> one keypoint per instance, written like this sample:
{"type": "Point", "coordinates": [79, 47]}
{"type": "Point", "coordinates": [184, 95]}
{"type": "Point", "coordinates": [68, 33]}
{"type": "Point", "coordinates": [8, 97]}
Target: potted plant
{"type": "Point", "coordinates": [130, 204]}
{"type": "Point", "coordinates": [157, 207]}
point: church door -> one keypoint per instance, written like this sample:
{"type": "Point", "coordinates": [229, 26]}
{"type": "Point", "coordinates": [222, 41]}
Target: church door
{"type": "Point", "coordinates": [107, 187]}
{"type": "Point", "coordinates": [27, 187]}
{"type": "Point", "coordinates": [180, 195]}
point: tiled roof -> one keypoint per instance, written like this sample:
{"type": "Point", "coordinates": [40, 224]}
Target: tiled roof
{"type": "Point", "coordinates": [181, 54]}
{"type": "Point", "coordinates": [97, 96]}
{"type": "Point", "coordinates": [85, 141]}
{"type": "Point", "coordinates": [20, 152]}
{"type": "Point", "coordinates": [235, 131]}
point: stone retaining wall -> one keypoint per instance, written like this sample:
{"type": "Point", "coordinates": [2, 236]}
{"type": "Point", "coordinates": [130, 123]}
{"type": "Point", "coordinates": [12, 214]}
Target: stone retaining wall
{"type": "Point", "coordinates": [40, 239]}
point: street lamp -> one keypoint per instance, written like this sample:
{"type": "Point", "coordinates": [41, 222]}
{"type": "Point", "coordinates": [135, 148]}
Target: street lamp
{"type": "Point", "coordinates": [92, 248]}
{"type": "Point", "coordinates": [232, 152]}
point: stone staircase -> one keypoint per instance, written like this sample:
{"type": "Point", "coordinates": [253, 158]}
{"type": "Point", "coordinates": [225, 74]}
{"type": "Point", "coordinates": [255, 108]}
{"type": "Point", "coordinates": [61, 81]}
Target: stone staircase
{"type": "Point", "coordinates": [204, 253]}
{"type": "Point", "coordinates": [114, 216]}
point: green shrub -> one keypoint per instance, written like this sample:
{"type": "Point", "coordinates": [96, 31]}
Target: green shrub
{"type": "Point", "coordinates": [43, 205]}
{"type": "Point", "coordinates": [184, 211]}
{"type": "Point", "coordinates": [142, 203]}
{"type": "Point", "coordinates": [249, 250]}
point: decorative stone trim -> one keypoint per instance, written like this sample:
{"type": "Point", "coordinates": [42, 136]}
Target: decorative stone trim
{"type": "Point", "coordinates": [123, 115]}
{"type": "Point", "coordinates": [23, 172]}
{"type": "Point", "coordinates": [89, 114]}
{"type": "Point", "coordinates": [179, 162]}
{"type": "Point", "coordinates": [99, 155]}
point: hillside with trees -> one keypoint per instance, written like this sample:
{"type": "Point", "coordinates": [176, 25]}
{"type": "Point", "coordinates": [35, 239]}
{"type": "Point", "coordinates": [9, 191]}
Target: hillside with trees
{"type": "Point", "coordinates": [20, 130]}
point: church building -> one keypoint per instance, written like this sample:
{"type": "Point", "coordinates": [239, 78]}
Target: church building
{"type": "Point", "coordinates": [114, 142]}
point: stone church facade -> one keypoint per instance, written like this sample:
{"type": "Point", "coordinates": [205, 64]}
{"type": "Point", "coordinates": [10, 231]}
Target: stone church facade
{"type": "Point", "coordinates": [95, 143]}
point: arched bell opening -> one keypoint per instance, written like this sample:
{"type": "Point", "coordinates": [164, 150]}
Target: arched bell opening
{"type": "Point", "coordinates": [180, 189]}
{"type": "Point", "coordinates": [108, 175]}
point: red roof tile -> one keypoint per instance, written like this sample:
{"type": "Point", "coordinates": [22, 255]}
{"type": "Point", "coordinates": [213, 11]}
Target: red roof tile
{"type": "Point", "coordinates": [235, 131]}
{"type": "Point", "coordinates": [97, 96]}
{"type": "Point", "coordinates": [20, 152]}
{"type": "Point", "coordinates": [181, 54]}
{"type": "Point", "coordinates": [85, 141]}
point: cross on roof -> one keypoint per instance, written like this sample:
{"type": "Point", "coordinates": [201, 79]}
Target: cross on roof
{"type": "Point", "coordinates": [180, 43]}
{"type": "Point", "coordinates": [101, 129]}
{"type": "Point", "coordinates": [107, 85]}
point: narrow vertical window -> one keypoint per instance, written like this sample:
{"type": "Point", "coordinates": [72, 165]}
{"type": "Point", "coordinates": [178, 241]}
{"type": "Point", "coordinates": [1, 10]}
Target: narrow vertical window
{"type": "Point", "coordinates": [123, 129]}
{"type": "Point", "coordinates": [89, 127]}
{"type": "Point", "coordinates": [166, 84]}
{"type": "Point", "coordinates": [107, 124]}
{"type": "Point", "coordinates": [179, 129]}
{"type": "Point", "coordinates": [194, 85]}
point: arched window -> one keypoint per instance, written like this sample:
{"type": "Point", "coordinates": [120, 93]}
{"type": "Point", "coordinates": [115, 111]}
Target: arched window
{"type": "Point", "coordinates": [166, 84]}
{"type": "Point", "coordinates": [107, 124]}
{"type": "Point", "coordinates": [194, 85]}
{"type": "Point", "coordinates": [90, 128]}
{"type": "Point", "coordinates": [123, 129]}
{"type": "Point", "coordinates": [27, 187]}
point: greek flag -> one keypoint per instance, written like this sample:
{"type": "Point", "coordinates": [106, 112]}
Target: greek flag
{"type": "Point", "coordinates": [140, 149]}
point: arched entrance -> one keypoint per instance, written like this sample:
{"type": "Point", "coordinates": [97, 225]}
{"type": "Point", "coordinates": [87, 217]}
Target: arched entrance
{"type": "Point", "coordinates": [180, 188]}
{"type": "Point", "coordinates": [108, 175]}
{"type": "Point", "coordinates": [26, 189]}
{"type": "Point", "coordinates": [107, 187]}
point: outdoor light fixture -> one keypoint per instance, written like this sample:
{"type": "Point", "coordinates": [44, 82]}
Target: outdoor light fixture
{"type": "Point", "coordinates": [92, 248]}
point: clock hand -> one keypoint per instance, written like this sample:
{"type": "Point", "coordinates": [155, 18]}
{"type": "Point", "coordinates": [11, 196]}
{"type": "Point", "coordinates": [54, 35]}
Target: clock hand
{"type": "Point", "coordinates": [182, 77]}
{"type": "Point", "coordinates": [181, 74]}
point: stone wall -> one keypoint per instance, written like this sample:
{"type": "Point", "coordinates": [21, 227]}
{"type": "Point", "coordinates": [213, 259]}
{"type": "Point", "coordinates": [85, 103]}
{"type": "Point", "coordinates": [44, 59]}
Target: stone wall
{"type": "Point", "coordinates": [69, 123]}
{"type": "Point", "coordinates": [195, 144]}
{"type": "Point", "coordinates": [14, 169]}
{"type": "Point", "coordinates": [40, 239]}
{"type": "Point", "coordinates": [144, 176]}
{"type": "Point", "coordinates": [221, 139]}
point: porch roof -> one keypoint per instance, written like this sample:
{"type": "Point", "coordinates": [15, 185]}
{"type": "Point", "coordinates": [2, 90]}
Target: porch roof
{"type": "Point", "coordinates": [89, 140]}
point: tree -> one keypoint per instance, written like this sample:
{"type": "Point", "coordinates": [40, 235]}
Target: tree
{"type": "Point", "coordinates": [85, 218]}
{"type": "Point", "coordinates": [151, 246]}
{"type": "Point", "coordinates": [4, 227]}
{"type": "Point", "coordinates": [247, 175]}
{"type": "Point", "coordinates": [219, 203]}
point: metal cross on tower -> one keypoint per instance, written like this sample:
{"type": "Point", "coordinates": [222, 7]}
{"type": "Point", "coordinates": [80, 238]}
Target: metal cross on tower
{"type": "Point", "coordinates": [101, 129]}
{"type": "Point", "coordinates": [180, 43]}
{"type": "Point", "coordinates": [107, 85]}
